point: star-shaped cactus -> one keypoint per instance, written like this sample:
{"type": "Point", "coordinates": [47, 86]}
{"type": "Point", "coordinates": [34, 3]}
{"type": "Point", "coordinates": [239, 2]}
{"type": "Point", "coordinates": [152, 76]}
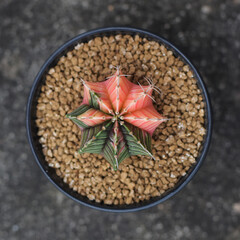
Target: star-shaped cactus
{"type": "Point", "coordinates": [117, 119]}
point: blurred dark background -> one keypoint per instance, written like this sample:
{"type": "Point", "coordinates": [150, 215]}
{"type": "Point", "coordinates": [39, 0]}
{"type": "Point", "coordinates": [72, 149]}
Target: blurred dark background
{"type": "Point", "coordinates": [208, 32]}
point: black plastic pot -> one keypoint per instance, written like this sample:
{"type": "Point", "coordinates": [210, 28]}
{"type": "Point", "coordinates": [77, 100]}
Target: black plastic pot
{"type": "Point", "coordinates": [37, 148]}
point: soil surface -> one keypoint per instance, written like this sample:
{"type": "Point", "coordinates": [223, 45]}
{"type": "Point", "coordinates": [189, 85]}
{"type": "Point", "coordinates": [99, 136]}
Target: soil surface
{"type": "Point", "coordinates": [32, 208]}
{"type": "Point", "coordinates": [175, 143]}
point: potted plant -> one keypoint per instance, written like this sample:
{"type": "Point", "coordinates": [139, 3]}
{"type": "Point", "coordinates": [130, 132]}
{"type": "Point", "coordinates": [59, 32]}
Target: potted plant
{"type": "Point", "coordinates": [123, 164]}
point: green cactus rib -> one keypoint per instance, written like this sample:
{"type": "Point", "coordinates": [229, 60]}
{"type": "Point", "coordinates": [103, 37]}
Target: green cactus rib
{"type": "Point", "coordinates": [73, 115]}
{"type": "Point", "coordinates": [94, 100]}
{"type": "Point", "coordinates": [96, 140]}
{"type": "Point", "coordinates": [138, 140]}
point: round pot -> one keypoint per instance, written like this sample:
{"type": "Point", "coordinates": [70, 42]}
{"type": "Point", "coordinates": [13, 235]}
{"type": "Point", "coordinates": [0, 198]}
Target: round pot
{"type": "Point", "coordinates": [37, 148]}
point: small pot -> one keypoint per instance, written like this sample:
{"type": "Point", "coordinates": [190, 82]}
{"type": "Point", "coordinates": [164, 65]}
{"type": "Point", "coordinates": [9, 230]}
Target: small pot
{"type": "Point", "coordinates": [37, 148]}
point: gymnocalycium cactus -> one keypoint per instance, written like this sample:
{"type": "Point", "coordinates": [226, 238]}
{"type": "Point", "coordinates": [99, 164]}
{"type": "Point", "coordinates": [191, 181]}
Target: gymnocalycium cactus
{"type": "Point", "coordinates": [117, 118]}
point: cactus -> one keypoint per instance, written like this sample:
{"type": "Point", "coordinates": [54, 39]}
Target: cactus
{"type": "Point", "coordinates": [117, 118]}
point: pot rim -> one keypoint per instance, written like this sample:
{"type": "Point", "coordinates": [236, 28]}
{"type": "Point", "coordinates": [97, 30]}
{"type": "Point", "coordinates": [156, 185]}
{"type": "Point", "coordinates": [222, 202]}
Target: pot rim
{"type": "Point", "coordinates": [115, 30]}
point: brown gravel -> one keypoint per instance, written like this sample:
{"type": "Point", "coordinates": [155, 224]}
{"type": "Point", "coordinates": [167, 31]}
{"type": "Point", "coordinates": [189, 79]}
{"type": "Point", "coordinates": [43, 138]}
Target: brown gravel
{"type": "Point", "coordinates": [175, 143]}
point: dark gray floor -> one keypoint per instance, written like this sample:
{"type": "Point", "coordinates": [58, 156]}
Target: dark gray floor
{"type": "Point", "coordinates": [208, 32]}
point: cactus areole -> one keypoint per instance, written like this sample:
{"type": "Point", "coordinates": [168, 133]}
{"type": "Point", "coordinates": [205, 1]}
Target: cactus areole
{"type": "Point", "coordinates": [117, 118]}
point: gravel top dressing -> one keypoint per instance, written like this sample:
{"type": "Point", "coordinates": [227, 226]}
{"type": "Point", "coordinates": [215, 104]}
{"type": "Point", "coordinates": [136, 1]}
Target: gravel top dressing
{"type": "Point", "coordinates": [175, 143]}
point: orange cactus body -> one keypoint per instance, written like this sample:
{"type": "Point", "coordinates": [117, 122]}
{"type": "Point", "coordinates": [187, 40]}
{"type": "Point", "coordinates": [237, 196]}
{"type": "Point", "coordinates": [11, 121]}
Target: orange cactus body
{"type": "Point", "coordinates": [117, 119]}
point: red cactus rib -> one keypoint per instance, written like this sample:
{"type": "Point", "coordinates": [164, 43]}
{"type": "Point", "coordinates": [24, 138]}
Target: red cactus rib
{"type": "Point", "coordinates": [139, 97]}
{"type": "Point", "coordinates": [118, 88]}
{"type": "Point", "coordinates": [147, 118]}
{"type": "Point", "coordinates": [93, 117]}
{"type": "Point", "coordinates": [101, 91]}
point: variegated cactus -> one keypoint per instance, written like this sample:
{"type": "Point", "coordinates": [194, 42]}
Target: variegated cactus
{"type": "Point", "coordinates": [117, 118]}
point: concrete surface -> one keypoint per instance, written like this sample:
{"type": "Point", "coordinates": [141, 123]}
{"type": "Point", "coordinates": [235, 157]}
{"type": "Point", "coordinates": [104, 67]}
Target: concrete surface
{"type": "Point", "coordinates": [208, 31]}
